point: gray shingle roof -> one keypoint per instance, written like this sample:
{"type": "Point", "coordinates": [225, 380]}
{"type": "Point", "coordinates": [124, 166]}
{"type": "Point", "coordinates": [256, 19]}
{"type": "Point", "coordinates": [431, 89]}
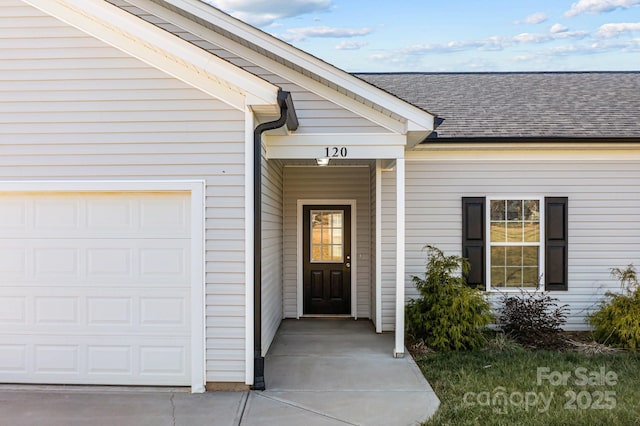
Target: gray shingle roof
{"type": "Point", "coordinates": [538, 105]}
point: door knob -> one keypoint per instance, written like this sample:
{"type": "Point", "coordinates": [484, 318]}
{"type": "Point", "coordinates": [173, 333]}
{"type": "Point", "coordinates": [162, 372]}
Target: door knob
{"type": "Point", "coordinates": [348, 265]}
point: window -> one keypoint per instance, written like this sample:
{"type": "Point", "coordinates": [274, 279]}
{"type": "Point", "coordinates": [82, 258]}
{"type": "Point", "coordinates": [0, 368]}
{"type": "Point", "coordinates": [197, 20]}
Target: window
{"type": "Point", "coordinates": [514, 230]}
{"type": "Point", "coordinates": [326, 236]}
{"type": "Point", "coordinates": [514, 243]}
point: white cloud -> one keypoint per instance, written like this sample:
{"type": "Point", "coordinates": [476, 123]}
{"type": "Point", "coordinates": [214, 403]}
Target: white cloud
{"type": "Point", "coordinates": [550, 36]}
{"type": "Point", "coordinates": [264, 12]}
{"type": "Point", "coordinates": [558, 28]}
{"type": "Point", "coordinates": [614, 30]}
{"type": "Point", "coordinates": [535, 18]}
{"type": "Point", "coordinates": [523, 58]}
{"type": "Point", "coordinates": [532, 38]}
{"type": "Point", "coordinates": [302, 33]}
{"type": "Point", "coordinates": [413, 53]}
{"type": "Point", "coordinates": [570, 34]}
{"type": "Point", "coordinates": [599, 6]}
{"type": "Point", "coordinates": [492, 43]}
{"type": "Point", "coordinates": [350, 45]}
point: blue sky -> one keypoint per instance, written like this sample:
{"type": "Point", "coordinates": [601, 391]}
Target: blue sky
{"type": "Point", "coordinates": [454, 35]}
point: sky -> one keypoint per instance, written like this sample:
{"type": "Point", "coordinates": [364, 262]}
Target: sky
{"type": "Point", "coordinates": [454, 35]}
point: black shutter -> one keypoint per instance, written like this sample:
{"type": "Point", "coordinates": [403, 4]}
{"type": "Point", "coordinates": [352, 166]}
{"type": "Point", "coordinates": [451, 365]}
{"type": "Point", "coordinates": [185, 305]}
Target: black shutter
{"type": "Point", "coordinates": [556, 243]}
{"type": "Point", "coordinates": [473, 239]}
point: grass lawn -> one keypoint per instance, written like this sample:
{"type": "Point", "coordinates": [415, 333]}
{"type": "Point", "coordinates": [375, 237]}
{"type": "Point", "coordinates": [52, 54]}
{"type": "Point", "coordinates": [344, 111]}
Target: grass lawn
{"type": "Point", "coordinates": [534, 387]}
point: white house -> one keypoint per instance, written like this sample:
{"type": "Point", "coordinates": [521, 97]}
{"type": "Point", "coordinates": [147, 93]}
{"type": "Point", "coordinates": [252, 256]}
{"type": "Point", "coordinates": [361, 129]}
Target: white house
{"type": "Point", "coordinates": [163, 206]}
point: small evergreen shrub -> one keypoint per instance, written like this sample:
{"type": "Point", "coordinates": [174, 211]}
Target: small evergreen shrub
{"type": "Point", "coordinates": [448, 315]}
{"type": "Point", "coordinates": [533, 319]}
{"type": "Point", "coordinates": [617, 322]}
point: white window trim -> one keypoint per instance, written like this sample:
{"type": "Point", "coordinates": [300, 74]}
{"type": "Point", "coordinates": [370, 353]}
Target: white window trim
{"type": "Point", "coordinates": [541, 253]}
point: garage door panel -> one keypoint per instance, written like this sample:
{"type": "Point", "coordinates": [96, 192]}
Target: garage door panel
{"type": "Point", "coordinates": [90, 215]}
{"type": "Point", "coordinates": [95, 288]}
{"type": "Point", "coordinates": [96, 311]}
{"type": "Point", "coordinates": [143, 262]}
{"type": "Point", "coordinates": [101, 361]}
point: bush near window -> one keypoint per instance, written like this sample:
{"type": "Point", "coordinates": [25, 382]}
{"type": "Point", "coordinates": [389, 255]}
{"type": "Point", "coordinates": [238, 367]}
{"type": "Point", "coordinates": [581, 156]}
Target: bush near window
{"type": "Point", "coordinates": [617, 322]}
{"type": "Point", "coordinates": [448, 315]}
{"type": "Point", "coordinates": [533, 319]}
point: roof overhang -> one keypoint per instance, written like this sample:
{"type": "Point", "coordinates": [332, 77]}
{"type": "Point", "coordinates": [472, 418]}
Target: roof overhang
{"type": "Point", "coordinates": [341, 87]}
{"type": "Point", "coordinates": [178, 58]}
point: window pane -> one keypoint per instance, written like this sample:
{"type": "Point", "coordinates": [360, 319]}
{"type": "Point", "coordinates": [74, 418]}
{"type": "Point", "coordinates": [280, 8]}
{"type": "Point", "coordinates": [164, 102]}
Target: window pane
{"type": "Point", "coordinates": [531, 210]}
{"type": "Point", "coordinates": [514, 232]}
{"type": "Point", "coordinates": [497, 210]}
{"type": "Point", "coordinates": [530, 256]}
{"type": "Point", "coordinates": [337, 253]}
{"type": "Point", "coordinates": [531, 232]}
{"type": "Point", "coordinates": [498, 256]}
{"type": "Point", "coordinates": [514, 277]}
{"type": "Point", "coordinates": [514, 256]}
{"type": "Point", "coordinates": [514, 210]}
{"type": "Point", "coordinates": [337, 236]}
{"type": "Point", "coordinates": [336, 220]}
{"type": "Point", "coordinates": [326, 236]}
{"type": "Point", "coordinates": [317, 238]}
{"type": "Point", "coordinates": [497, 277]}
{"type": "Point", "coordinates": [530, 277]}
{"type": "Point", "coordinates": [498, 232]}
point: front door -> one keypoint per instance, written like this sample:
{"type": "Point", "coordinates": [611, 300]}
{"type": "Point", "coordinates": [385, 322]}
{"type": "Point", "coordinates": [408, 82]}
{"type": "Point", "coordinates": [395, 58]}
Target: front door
{"type": "Point", "coordinates": [327, 259]}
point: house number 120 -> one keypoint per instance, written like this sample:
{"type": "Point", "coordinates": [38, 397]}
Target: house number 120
{"type": "Point", "coordinates": [335, 151]}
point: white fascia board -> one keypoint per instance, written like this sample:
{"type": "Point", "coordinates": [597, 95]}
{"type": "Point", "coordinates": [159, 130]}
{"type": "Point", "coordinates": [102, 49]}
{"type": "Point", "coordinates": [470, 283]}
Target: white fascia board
{"type": "Point", "coordinates": [416, 117]}
{"type": "Point", "coordinates": [338, 146]}
{"type": "Point", "coordinates": [524, 151]}
{"type": "Point", "coordinates": [367, 140]}
{"type": "Point", "coordinates": [163, 50]}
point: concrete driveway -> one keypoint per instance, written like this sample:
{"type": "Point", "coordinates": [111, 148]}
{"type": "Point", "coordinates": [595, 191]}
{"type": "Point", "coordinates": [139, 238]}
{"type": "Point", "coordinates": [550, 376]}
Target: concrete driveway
{"type": "Point", "coordinates": [318, 372]}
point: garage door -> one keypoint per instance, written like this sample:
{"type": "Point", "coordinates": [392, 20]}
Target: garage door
{"type": "Point", "coordinates": [95, 288]}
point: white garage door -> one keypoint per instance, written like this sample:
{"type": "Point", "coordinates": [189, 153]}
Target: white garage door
{"type": "Point", "coordinates": [95, 288]}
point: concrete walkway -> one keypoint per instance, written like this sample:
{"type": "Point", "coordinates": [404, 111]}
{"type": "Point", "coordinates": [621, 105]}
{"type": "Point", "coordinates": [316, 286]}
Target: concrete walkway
{"type": "Point", "coordinates": [318, 372]}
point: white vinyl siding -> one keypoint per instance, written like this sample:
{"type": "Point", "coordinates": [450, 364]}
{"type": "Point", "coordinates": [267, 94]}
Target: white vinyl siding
{"type": "Point", "coordinates": [604, 212]}
{"type": "Point", "coordinates": [335, 183]}
{"type": "Point", "coordinates": [74, 108]}
{"type": "Point", "coordinates": [272, 219]}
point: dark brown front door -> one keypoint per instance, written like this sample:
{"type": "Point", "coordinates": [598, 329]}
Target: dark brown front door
{"type": "Point", "coordinates": [327, 259]}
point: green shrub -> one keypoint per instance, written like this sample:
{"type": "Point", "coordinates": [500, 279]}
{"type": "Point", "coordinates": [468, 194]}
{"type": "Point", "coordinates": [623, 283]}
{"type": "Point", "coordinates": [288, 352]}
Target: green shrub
{"type": "Point", "coordinates": [533, 319]}
{"type": "Point", "coordinates": [448, 315]}
{"type": "Point", "coordinates": [617, 321]}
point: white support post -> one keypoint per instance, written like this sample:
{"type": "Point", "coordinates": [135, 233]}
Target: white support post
{"type": "Point", "coordinates": [398, 352]}
{"type": "Point", "coordinates": [378, 279]}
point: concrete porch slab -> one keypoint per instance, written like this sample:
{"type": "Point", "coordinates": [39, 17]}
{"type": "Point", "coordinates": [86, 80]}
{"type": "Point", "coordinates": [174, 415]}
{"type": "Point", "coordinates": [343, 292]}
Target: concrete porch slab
{"type": "Point", "coordinates": [343, 370]}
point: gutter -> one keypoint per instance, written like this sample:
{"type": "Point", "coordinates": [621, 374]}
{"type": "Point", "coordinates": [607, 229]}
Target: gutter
{"type": "Point", "coordinates": [288, 117]}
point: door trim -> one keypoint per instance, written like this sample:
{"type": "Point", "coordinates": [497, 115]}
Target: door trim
{"type": "Point", "coordinates": [196, 190]}
{"type": "Point", "coordinates": [299, 250]}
